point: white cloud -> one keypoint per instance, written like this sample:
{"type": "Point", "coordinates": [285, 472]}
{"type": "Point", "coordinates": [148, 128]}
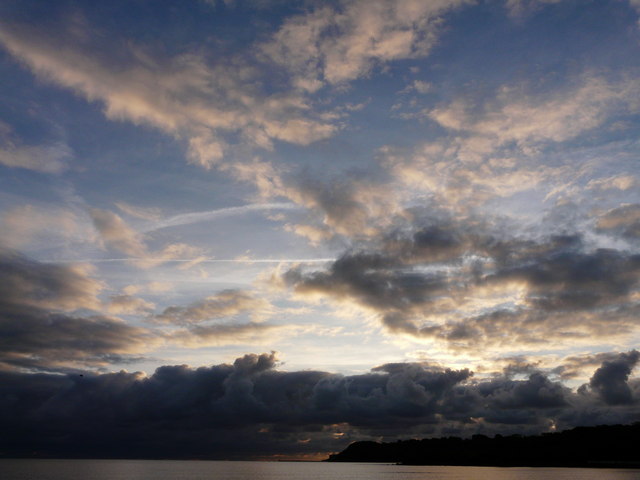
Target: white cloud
{"type": "Point", "coordinates": [528, 120]}
{"type": "Point", "coordinates": [337, 45]}
{"type": "Point", "coordinates": [418, 86]}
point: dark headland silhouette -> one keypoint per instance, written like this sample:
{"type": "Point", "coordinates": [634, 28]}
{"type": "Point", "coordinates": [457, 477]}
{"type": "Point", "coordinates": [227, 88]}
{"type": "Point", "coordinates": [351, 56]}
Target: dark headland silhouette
{"type": "Point", "coordinates": [609, 446]}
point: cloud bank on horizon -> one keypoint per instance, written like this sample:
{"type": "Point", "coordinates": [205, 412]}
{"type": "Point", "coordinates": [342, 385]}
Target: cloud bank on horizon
{"type": "Point", "coordinates": [429, 209]}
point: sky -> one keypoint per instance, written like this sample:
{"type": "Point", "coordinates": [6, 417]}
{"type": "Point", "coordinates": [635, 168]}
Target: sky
{"type": "Point", "coordinates": [266, 229]}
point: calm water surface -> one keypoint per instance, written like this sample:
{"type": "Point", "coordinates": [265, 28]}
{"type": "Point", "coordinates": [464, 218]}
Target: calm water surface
{"type": "Point", "coordinates": [196, 470]}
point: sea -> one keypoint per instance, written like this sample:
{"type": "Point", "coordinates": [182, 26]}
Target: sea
{"type": "Point", "coordinates": [21, 469]}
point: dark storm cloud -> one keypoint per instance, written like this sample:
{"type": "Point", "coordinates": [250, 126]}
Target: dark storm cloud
{"type": "Point", "coordinates": [38, 327]}
{"type": "Point", "coordinates": [251, 408]}
{"type": "Point", "coordinates": [420, 281]}
{"type": "Point", "coordinates": [610, 381]}
{"type": "Point", "coordinates": [535, 392]}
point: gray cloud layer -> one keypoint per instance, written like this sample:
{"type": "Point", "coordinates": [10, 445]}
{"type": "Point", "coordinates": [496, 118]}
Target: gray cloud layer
{"type": "Point", "coordinates": [47, 319]}
{"type": "Point", "coordinates": [472, 288]}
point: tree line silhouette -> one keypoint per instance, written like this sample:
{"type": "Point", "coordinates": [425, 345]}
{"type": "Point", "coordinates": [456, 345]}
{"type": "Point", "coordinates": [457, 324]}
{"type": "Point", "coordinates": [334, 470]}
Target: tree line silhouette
{"type": "Point", "coordinates": [601, 446]}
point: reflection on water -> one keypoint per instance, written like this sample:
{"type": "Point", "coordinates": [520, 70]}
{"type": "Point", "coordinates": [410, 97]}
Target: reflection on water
{"type": "Point", "coordinates": [203, 470]}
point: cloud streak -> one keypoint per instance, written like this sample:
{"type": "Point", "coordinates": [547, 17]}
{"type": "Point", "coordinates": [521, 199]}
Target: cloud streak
{"type": "Point", "coordinates": [197, 217]}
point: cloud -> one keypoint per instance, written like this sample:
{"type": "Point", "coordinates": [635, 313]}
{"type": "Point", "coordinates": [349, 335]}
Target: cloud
{"type": "Point", "coordinates": [335, 45]}
{"type": "Point", "coordinates": [187, 254]}
{"type": "Point", "coordinates": [610, 381]}
{"type": "Point", "coordinates": [222, 334]}
{"type": "Point", "coordinates": [39, 329]}
{"type": "Point", "coordinates": [617, 182]}
{"type": "Point", "coordinates": [507, 144]}
{"type": "Point", "coordinates": [45, 326]}
{"type": "Point", "coordinates": [119, 236]}
{"type": "Point", "coordinates": [196, 217]}
{"type": "Point", "coordinates": [535, 392]}
{"type": "Point", "coordinates": [128, 305]}
{"type": "Point", "coordinates": [636, 5]}
{"type": "Point", "coordinates": [553, 117]}
{"type": "Point", "coordinates": [45, 158]}
{"type": "Point", "coordinates": [186, 95]}
{"type": "Point", "coordinates": [576, 365]}
{"type": "Point", "coordinates": [39, 158]}
{"type": "Point", "coordinates": [483, 280]}
{"type": "Point", "coordinates": [219, 320]}
{"type": "Point", "coordinates": [33, 226]}
{"type": "Point", "coordinates": [227, 303]}
{"type": "Point", "coordinates": [257, 409]}
{"type": "Point", "coordinates": [27, 283]}
{"type": "Point", "coordinates": [152, 214]}
{"type": "Point", "coordinates": [38, 340]}
{"type": "Point", "coordinates": [575, 280]}
{"type": "Point", "coordinates": [152, 287]}
{"type": "Point", "coordinates": [623, 221]}
{"type": "Point", "coordinates": [347, 206]}
{"type": "Point", "coordinates": [354, 204]}
{"type": "Point", "coordinates": [471, 288]}
{"type": "Point", "coordinates": [419, 86]}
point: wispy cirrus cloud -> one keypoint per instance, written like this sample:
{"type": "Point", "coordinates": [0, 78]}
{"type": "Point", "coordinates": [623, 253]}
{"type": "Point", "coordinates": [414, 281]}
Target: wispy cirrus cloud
{"type": "Point", "coordinates": [207, 216]}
